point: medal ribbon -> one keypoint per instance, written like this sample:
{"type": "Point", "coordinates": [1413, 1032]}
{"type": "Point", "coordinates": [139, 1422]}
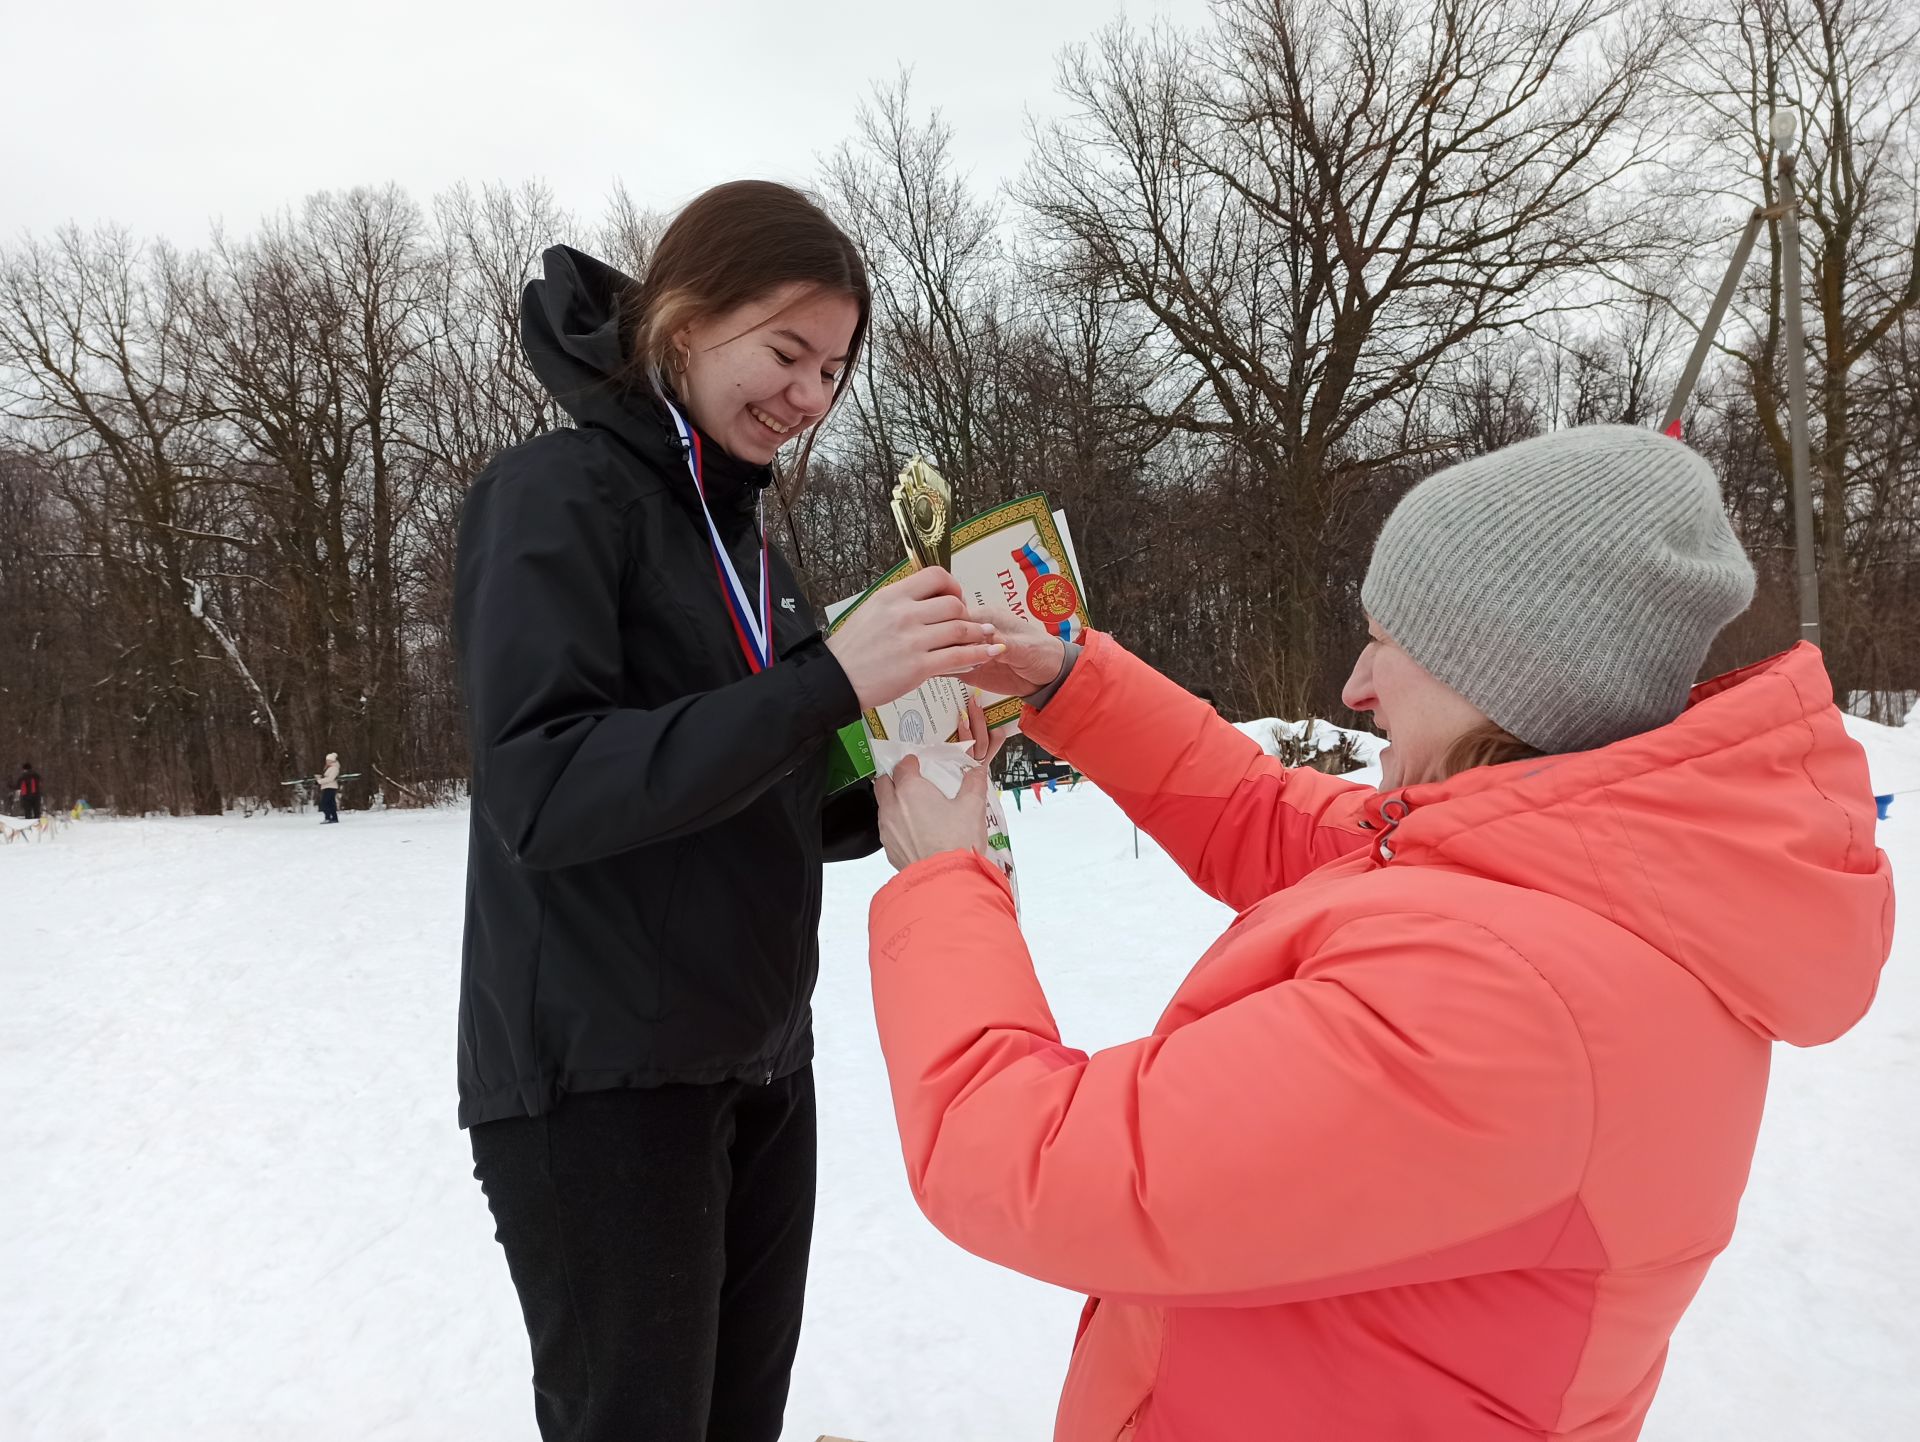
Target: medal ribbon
{"type": "Point", "coordinates": [754, 632]}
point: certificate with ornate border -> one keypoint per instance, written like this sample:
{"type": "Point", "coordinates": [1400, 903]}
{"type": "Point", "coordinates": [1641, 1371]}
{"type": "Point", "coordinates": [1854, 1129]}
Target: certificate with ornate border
{"type": "Point", "coordinates": [1017, 558]}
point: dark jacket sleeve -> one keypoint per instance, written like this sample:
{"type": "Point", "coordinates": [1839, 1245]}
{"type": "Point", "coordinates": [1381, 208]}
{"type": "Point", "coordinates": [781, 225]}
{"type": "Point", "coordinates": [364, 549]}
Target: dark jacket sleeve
{"type": "Point", "coordinates": [563, 774]}
{"type": "Point", "coordinates": [850, 823]}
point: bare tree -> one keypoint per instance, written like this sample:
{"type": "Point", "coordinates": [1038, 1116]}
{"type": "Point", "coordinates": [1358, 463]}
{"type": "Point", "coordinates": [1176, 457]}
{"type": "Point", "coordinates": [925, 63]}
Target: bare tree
{"type": "Point", "coordinates": [1321, 201]}
{"type": "Point", "coordinates": [933, 255]}
{"type": "Point", "coordinates": [1851, 70]}
{"type": "Point", "coordinates": [92, 328]}
{"type": "Point", "coordinates": [371, 251]}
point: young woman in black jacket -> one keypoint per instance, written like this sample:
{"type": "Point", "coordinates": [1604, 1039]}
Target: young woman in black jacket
{"type": "Point", "coordinates": [649, 707]}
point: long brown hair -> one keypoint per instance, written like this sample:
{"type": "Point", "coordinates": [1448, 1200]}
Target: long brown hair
{"type": "Point", "coordinates": [731, 245]}
{"type": "Point", "coordinates": [1485, 745]}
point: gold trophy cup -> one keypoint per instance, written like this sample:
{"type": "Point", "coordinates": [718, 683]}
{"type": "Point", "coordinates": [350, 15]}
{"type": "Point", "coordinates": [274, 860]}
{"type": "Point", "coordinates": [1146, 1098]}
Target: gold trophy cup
{"type": "Point", "coordinates": [923, 510]}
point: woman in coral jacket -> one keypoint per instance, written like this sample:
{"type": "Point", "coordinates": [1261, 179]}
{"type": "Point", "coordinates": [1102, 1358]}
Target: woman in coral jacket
{"type": "Point", "coordinates": [1439, 1138]}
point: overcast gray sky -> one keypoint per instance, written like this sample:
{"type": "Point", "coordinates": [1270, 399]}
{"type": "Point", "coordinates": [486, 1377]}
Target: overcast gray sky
{"type": "Point", "coordinates": [168, 116]}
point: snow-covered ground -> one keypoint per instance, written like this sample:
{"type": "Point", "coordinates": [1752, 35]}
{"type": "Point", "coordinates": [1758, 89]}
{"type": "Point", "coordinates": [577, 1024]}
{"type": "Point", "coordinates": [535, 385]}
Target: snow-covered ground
{"type": "Point", "coordinates": [235, 1205]}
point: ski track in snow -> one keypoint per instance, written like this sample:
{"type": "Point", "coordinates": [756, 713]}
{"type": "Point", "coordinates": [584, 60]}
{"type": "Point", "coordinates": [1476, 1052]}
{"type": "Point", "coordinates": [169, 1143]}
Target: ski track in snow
{"type": "Point", "coordinates": [237, 1206]}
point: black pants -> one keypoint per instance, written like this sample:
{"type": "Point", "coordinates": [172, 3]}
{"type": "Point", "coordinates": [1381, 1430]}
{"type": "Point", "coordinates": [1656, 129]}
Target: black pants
{"type": "Point", "coordinates": [30, 808]}
{"type": "Point", "coordinates": [329, 804]}
{"type": "Point", "coordinates": [658, 1239]}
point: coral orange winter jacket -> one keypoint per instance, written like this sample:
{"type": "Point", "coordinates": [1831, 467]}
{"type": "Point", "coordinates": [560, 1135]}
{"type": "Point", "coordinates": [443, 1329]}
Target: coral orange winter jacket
{"type": "Point", "coordinates": [1438, 1139]}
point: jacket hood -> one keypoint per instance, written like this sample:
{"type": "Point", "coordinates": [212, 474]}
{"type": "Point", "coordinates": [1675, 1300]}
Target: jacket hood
{"type": "Point", "coordinates": [570, 330]}
{"type": "Point", "coordinates": [1738, 840]}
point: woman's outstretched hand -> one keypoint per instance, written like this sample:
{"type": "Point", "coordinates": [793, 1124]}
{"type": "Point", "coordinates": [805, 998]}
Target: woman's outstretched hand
{"type": "Point", "coordinates": [916, 821]}
{"type": "Point", "coordinates": [910, 631]}
{"type": "Point", "coordinates": [1030, 657]}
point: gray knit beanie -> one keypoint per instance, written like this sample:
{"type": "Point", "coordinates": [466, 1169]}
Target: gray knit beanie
{"type": "Point", "coordinates": [1568, 586]}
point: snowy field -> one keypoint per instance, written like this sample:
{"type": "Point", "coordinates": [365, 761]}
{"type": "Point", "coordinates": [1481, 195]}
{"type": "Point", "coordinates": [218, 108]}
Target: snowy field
{"type": "Point", "coordinates": [236, 1207]}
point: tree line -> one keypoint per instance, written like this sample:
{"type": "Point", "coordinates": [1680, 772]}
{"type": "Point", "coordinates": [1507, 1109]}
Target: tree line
{"type": "Point", "coordinates": [1261, 278]}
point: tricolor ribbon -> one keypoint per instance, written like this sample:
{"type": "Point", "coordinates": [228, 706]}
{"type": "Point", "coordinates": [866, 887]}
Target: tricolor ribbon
{"type": "Point", "coordinates": [754, 632]}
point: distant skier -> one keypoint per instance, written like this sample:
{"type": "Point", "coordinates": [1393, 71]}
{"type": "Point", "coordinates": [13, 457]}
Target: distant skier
{"type": "Point", "coordinates": [329, 783]}
{"type": "Point", "coordinates": [27, 788]}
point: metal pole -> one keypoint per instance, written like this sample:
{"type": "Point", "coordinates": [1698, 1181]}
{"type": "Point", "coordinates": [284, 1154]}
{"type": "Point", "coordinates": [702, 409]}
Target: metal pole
{"type": "Point", "coordinates": [1790, 283]}
{"type": "Point", "coordinates": [1710, 328]}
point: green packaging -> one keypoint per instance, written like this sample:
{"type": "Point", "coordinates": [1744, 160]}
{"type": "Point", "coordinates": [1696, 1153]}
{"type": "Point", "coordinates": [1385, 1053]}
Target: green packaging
{"type": "Point", "coordinates": [849, 757]}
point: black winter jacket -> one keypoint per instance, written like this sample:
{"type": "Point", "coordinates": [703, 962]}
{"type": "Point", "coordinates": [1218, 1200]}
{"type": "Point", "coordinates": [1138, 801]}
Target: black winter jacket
{"type": "Point", "coordinates": [644, 866]}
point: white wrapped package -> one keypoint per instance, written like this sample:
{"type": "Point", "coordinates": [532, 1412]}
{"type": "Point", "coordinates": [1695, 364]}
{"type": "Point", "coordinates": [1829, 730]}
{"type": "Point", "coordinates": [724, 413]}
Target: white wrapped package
{"type": "Point", "coordinates": [945, 764]}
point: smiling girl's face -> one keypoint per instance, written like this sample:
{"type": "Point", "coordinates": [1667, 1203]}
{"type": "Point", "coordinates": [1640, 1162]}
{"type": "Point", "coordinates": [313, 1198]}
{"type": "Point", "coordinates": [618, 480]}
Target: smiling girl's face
{"type": "Point", "coordinates": [758, 375]}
